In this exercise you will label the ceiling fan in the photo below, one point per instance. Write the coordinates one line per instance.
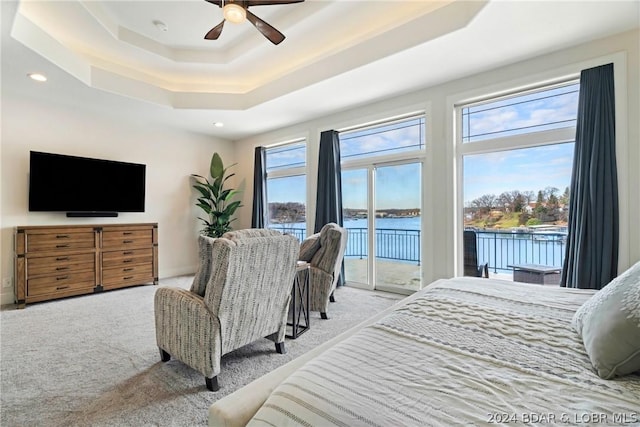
(236, 11)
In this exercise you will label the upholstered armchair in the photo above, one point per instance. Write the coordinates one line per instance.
(240, 293)
(325, 252)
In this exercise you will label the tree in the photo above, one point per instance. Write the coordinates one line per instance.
(553, 207)
(564, 199)
(519, 202)
(506, 200)
(286, 213)
(540, 211)
(484, 203)
(550, 191)
(529, 196)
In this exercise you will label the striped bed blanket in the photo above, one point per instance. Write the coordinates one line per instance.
(467, 351)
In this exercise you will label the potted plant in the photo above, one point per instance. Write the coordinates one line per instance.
(215, 199)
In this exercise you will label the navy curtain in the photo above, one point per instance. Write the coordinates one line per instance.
(591, 257)
(329, 190)
(259, 190)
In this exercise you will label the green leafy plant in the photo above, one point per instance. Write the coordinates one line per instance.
(215, 199)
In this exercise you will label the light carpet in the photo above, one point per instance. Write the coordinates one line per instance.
(93, 360)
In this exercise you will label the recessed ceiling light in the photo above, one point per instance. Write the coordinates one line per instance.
(218, 124)
(37, 77)
(161, 26)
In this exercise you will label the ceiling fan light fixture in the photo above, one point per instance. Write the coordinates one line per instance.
(234, 13)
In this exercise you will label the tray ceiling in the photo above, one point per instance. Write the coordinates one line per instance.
(356, 50)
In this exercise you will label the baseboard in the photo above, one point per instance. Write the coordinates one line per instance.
(174, 272)
(7, 298)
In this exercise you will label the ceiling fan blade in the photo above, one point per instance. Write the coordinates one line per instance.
(267, 2)
(216, 2)
(267, 30)
(214, 33)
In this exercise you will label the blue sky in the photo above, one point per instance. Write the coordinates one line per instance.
(529, 169)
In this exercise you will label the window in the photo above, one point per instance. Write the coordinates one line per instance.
(286, 188)
(399, 136)
(537, 111)
(382, 200)
(517, 159)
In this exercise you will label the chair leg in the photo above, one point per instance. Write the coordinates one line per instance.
(323, 315)
(331, 298)
(164, 356)
(212, 383)
(280, 347)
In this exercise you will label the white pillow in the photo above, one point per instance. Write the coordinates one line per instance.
(609, 324)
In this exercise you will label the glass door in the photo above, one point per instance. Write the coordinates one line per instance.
(381, 210)
(355, 212)
(397, 227)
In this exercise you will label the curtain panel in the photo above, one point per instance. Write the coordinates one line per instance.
(329, 190)
(259, 189)
(591, 257)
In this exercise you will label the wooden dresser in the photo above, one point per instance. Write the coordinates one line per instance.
(60, 261)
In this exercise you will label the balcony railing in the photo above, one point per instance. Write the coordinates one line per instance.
(497, 248)
(396, 244)
(501, 249)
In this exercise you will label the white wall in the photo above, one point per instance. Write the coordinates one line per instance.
(441, 252)
(59, 127)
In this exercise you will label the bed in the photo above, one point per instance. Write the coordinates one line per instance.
(466, 351)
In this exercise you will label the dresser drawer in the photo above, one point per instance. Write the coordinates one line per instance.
(127, 275)
(127, 257)
(126, 239)
(59, 241)
(52, 265)
(61, 283)
(61, 261)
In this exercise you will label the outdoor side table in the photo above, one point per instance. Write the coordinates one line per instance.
(535, 273)
(298, 318)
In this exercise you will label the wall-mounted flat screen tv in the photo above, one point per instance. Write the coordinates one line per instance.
(84, 186)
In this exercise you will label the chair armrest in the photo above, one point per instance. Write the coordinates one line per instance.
(319, 275)
(179, 313)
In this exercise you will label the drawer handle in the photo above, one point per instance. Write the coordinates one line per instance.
(61, 268)
(129, 269)
(127, 241)
(62, 246)
(127, 233)
(62, 236)
(59, 288)
(127, 260)
(127, 253)
(62, 277)
(62, 258)
(128, 278)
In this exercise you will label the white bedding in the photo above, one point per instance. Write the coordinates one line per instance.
(466, 351)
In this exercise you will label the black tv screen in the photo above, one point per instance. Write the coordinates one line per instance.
(60, 183)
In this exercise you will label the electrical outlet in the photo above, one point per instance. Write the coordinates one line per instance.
(7, 282)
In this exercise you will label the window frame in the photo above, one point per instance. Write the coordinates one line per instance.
(286, 172)
(363, 162)
(498, 144)
(511, 142)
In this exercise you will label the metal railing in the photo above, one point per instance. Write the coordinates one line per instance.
(396, 244)
(499, 249)
(299, 233)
